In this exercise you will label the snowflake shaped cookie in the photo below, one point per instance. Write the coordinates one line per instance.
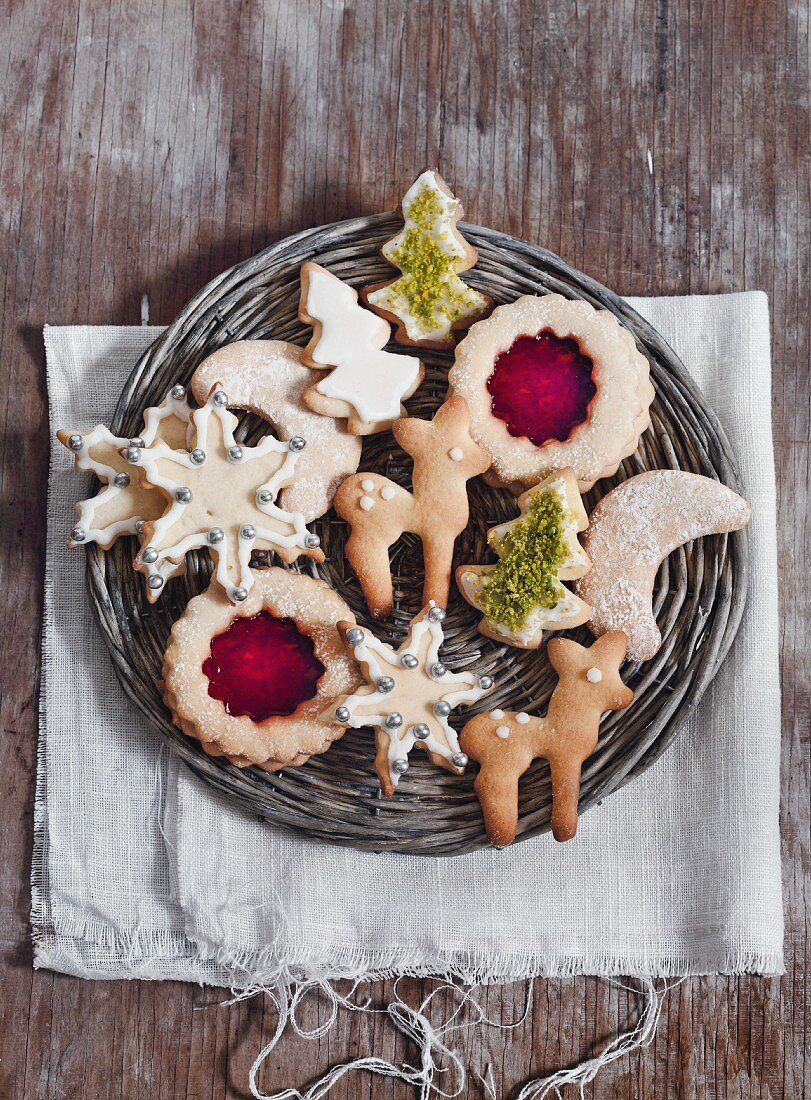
(123, 505)
(408, 696)
(220, 494)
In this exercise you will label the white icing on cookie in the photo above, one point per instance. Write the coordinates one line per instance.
(522, 718)
(366, 503)
(456, 453)
(367, 485)
(594, 676)
(387, 492)
(503, 732)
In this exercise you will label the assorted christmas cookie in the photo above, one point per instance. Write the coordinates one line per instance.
(505, 743)
(522, 595)
(429, 300)
(253, 682)
(632, 530)
(364, 384)
(220, 495)
(379, 511)
(268, 378)
(408, 696)
(553, 383)
(122, 506)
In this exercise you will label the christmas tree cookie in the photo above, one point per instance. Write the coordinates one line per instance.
(522, 595)
(429, 300)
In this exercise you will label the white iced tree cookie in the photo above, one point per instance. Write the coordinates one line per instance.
(429, 300)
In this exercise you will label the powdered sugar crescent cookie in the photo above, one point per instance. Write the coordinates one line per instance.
(522, 595)
(253, 682)
(505, 742)
(429, 300)
(268, 378)
(631, 532)
(553, 383)
(364, 383)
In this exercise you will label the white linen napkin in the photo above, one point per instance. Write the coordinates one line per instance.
(140, 871)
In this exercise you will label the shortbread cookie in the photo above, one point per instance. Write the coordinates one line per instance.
(505, 743)
(522, 596)
(122, 506)
(364, 383)
(268, 378)
(429, 300)
(253, 682)
(220, 495)
(379, 511)
(408, 696)
(631, 532)
(552, 383)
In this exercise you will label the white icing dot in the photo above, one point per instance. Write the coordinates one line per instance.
(503, 732)
(367, 485)
(366, 503)
(522, 718)
(456, 453)
(594, 676)
(387, 492)
(496, 714)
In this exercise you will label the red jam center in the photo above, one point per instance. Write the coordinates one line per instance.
(541, 387)
(262, 666)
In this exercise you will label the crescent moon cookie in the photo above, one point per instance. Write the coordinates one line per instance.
(253, 682)
(219, 494)
(505, 743)
(365, 384)
(268, 378)
(429, 300)
(408, 696)
(522, 595)
(552, 383)
(123, 505)
(631, 532)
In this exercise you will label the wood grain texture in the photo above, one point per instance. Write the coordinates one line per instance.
(661, 145)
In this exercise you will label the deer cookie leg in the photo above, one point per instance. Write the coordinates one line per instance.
(370, 562)
(438, 559)
(497, 792)
(565, 796)
(382, 742)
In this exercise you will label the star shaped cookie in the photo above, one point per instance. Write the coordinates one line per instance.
(220, 494)
(408, 696)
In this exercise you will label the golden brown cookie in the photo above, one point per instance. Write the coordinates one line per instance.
(505, 743)
(253, 682)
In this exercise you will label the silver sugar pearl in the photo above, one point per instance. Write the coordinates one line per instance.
(132, 454)
(183, 494)
(354, 636)
(312, 542)
(399, 766)
(297, 443)
(78, 534)
(436, 615)
(240, 594)
(149, 555)
(178, 392)
(438, 669)
(76, 443)
(485, 682)
(385, 684)
(264, 496)
(394, 720)
(198, 456)
(215, 535)
(442, 709)
(139, 526)
(220, 398)
(459, 760)
(342, 714)
(422, 732)
(121, 480)
(136, 441)
(247, 531)
(154, 582)
(409, 660)
(235, 453)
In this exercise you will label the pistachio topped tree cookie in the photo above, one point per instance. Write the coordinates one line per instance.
(521, 596)
(428, 301)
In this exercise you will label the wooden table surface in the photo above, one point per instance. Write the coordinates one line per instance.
(660, 145)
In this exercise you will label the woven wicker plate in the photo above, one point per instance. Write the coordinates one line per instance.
(699, 595)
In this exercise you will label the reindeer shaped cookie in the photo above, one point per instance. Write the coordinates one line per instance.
(505, 743)
(379, 511)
